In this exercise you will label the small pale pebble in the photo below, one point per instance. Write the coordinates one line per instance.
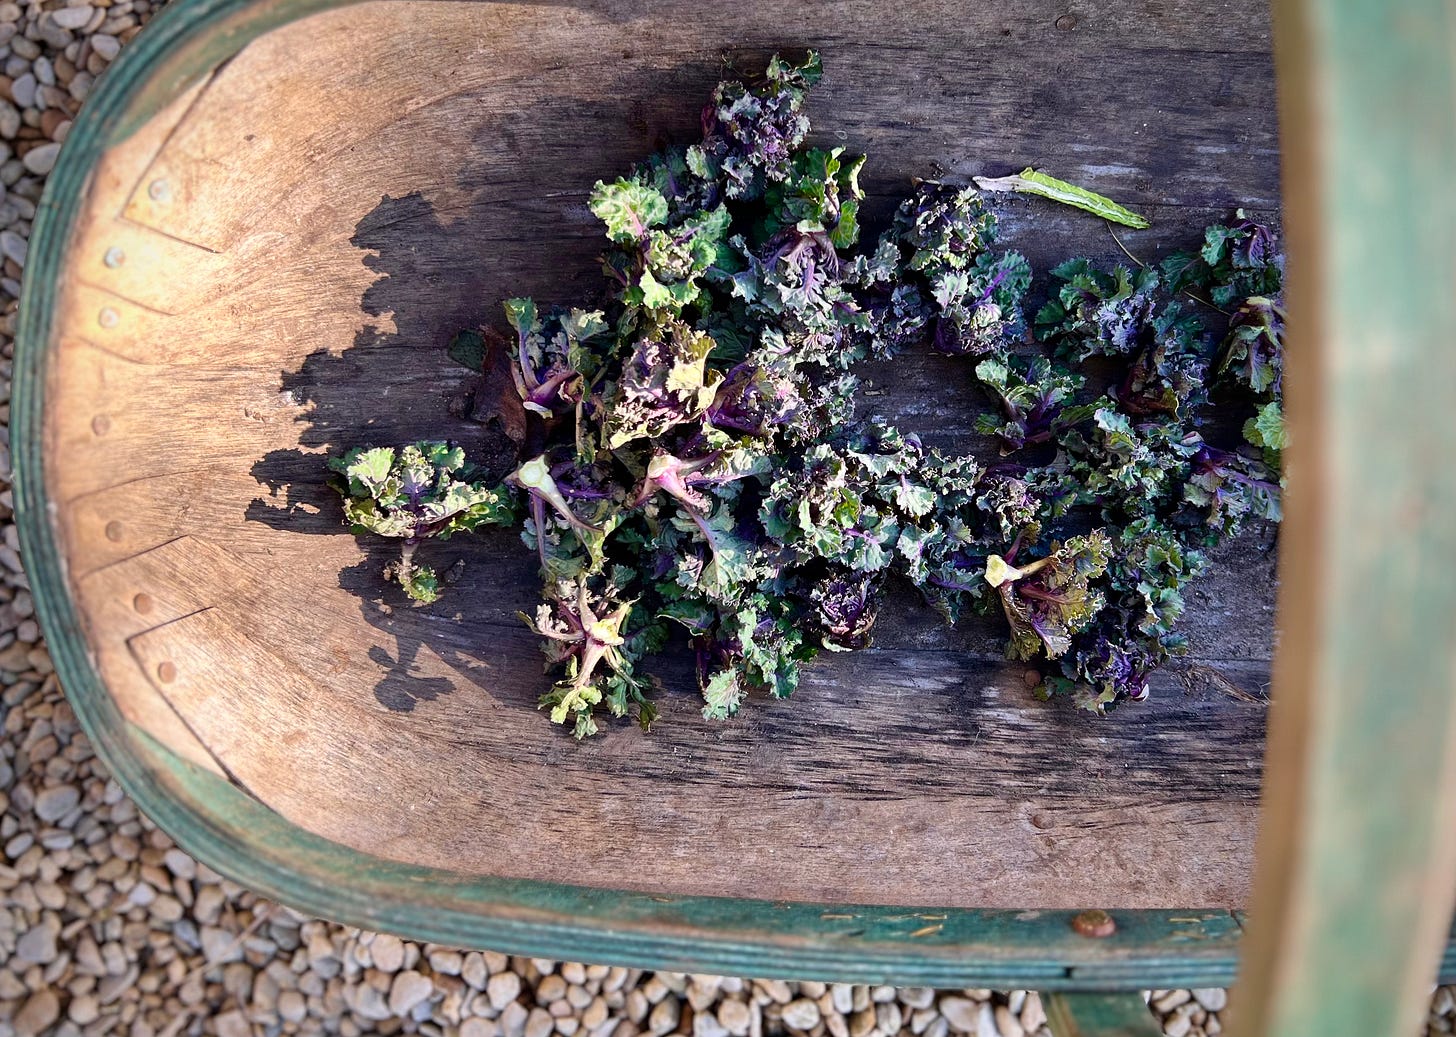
(502, 989)
(734, 1016)
(292, 1006)
(777, 990)
(889, 1017)
(38, 945)
(1007, 1024)
(11, 988)
(38, 1014)
(702, 992)
(1212, 998)
(71, 17)
(13, 246)
(56, 801)
(475, 1026)
(917, 997)
(539, 1023)
(408, 990)
(179, 864)
(219, 945)
(986, 1021)
(106, 46)
(939, 1028)
(637, 1005)
(802, 1014)
(370, 1003)
(1170, 1000)
(960, 1013)
(513, 1020)
(595, 1014)
(10, 12)
(42, 160)
(1177, 1025)
(474, 972)
(23, 90)
(1033, 1016)
(551, 988)
(232, 1024)
(843, 995)
(387, 952)
(447, 963)
(83, 1010)
(57, 35)
(706, 1024)
(664, 1017)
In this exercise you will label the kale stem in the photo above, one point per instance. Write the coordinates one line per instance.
(406, 560)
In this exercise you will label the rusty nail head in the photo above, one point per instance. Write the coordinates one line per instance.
(1096, 923)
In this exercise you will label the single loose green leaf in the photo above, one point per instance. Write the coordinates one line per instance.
(1029, 181)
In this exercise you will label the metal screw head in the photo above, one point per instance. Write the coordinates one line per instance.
(1095, 923)
(108, 318)
(114, 257)
(159, 191)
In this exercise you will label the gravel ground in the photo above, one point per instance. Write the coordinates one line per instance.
(106, 927)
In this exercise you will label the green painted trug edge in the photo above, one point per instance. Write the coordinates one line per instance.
(213, 820)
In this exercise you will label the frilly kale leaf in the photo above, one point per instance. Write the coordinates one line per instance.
(584, 634)
(1033, 401)
(1233, 488)
(941, 227)
(1265, 430)
(1253, 350)
(664, 383)
(1050, 599)
(751, 133)
(1237, 261)
(1094, 313)
(420, 491)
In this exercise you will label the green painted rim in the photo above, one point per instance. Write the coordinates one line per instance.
(240, 838)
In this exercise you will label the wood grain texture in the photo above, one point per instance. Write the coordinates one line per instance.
(326, 225)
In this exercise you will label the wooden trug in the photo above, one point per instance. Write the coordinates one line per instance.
(262, 232)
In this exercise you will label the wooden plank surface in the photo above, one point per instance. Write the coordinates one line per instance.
(335, 258)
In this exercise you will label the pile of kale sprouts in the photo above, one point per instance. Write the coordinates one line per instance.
(692, 457)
